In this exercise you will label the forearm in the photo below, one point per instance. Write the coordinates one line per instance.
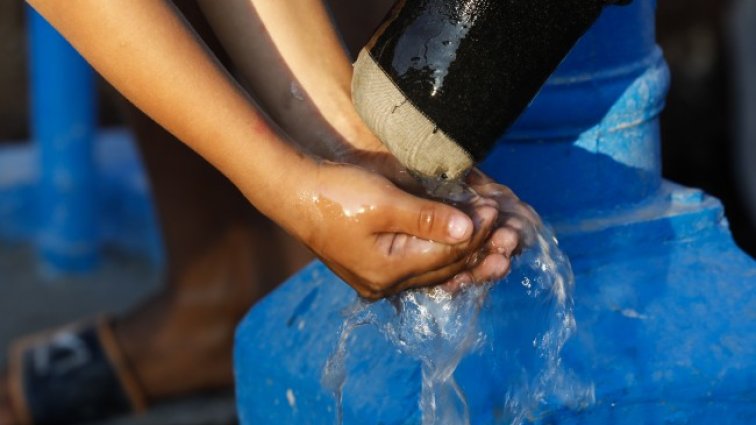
(149, 54)
(277, 44)
(370, 232)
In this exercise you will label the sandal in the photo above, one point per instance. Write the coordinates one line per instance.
(71, 375)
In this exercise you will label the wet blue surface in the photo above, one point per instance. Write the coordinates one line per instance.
(665, 333)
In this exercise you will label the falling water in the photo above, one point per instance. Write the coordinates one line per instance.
(439, 329)
(531, 328)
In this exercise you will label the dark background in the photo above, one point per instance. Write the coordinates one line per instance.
(697, 125)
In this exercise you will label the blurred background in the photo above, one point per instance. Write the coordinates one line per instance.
(708, 142)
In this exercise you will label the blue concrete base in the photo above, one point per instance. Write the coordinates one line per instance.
(125, 218)
(665, 304)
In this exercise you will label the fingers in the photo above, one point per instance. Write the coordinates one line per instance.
(504, 241)
(429, 220)
(431, 278)
(444, 261)
(459, 281)
(506, 199)
(420, 254)
(493, 260)
(494, 267)
(524, 229)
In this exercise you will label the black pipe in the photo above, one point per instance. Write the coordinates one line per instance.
(469, 67)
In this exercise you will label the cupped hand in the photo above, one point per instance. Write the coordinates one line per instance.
(515, 229)
(381, 239)
(516, 222)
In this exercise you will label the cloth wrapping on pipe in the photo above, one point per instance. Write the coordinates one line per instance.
(442, 80)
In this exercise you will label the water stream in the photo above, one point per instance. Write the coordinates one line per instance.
(439, 329)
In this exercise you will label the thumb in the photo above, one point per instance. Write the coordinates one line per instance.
(432, 221)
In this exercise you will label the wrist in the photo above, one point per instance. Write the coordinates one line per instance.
(356, 135)
(293, 195)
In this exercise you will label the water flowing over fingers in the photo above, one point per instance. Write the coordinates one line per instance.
(440, 329)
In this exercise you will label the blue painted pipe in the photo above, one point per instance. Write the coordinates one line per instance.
(594, 126)
(63, 123)
(664, 299)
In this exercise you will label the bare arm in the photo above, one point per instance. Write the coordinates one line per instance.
(148, 52)
(279, 46)
(375, 236)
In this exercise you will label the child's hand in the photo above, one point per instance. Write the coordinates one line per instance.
(516, 221)
(516, 226)
(382, 240)
(515, 215)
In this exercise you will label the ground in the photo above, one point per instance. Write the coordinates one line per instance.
(30, 301)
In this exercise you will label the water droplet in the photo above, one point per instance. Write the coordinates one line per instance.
(526, 282)
(296, 91)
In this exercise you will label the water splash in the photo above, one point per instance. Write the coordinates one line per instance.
(431, 325)
(524, 338)
(334, 372)
(528, 332)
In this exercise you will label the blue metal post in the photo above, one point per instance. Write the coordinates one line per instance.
(63, 122)
(664, 299)
(594, 127)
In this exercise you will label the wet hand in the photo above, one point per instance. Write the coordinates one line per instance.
(515, 224)
(515, 229)
(381, 239)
